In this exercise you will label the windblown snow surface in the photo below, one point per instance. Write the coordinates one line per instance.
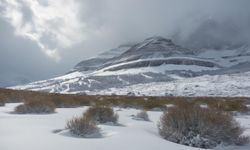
(36, 132)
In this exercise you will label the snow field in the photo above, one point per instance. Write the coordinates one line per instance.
(29, 132)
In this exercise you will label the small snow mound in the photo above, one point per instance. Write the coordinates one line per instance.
(112, 124)
(109, 134)
(57, 131)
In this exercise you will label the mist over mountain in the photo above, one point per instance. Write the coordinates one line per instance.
(215, 35)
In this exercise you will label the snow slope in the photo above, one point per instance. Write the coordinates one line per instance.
(153, 62)
(207, 85)
(94, 63)
(29, 132)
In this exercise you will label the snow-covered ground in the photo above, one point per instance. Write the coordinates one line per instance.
(29, 132)
(207, 85)
(237, 84)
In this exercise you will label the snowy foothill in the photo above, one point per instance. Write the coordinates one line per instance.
(232, 85)
(47, 132)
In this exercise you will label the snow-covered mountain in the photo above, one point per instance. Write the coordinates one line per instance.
(94, 63)
(206, 85)
(156, 66)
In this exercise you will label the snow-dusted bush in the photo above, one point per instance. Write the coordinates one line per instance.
(101, 114)
(83, 127)
(198, 127)
(37, 107)
(142, 115)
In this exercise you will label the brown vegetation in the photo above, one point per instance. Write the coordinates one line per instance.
(2, 99)
(143, 102)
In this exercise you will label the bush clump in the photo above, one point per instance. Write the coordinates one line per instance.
(101, 114)
(142, 115)
(36, 107)
(200, 127)
(83, 127)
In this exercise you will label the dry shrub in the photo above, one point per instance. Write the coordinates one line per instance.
(36, 107)
(200, 127)
(2, 99)
(101, 114)
(2, 103)
(142, 115)
(83, 127)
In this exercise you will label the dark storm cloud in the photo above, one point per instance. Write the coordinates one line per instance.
(21, 59)
(207, 22)
(35, 35)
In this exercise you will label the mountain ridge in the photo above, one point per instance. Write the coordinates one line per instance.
(153, 60)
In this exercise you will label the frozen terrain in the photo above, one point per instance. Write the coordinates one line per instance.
(29, 132)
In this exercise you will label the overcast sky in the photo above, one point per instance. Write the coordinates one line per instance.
(40, 39)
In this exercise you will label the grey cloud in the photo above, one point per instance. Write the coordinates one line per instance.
(43, 2)
(101, 25)
(134, 20)
(27, 12)
(21, 59)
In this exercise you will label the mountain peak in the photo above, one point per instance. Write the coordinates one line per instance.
(158, 39)
(155, 46)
